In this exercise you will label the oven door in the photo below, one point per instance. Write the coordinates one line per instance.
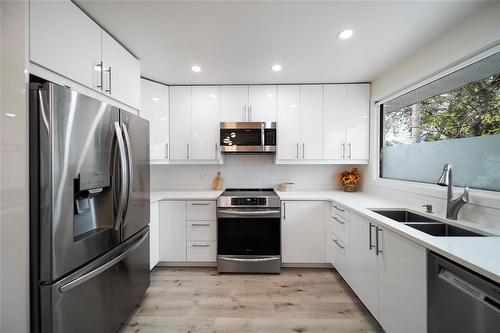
(248, 232)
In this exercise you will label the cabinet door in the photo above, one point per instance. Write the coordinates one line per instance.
(205, 123)
(363, 269)
(288, 122)
(357, 121)
(154, 236)
(172, 230)
(180, 122)
(402, 284)
(303, 232)
(262, 103)
(311, 122)
(154, 107)
(66, 41)
(334, 121)
(122, 72)
(234, 103)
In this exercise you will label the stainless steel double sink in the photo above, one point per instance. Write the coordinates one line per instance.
(426, 224)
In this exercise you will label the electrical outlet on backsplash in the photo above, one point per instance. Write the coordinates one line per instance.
(247, 171)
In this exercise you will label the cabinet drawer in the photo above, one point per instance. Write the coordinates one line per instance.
(201, 211)
(340, 227)
(201, 230)
(338, 210)
(202, 251)
(340, 255)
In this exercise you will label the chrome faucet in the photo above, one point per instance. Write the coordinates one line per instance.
(452, 205)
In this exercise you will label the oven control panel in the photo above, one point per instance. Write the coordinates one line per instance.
(248, 201)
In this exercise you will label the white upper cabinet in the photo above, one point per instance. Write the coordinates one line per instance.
(65, 40)
(357, 121)
(205, 123)
(262, 102)
(180, 123)
(346, 122)
(122, 72)
(300, 118)
(154, 107)
(334, 121)
(234, 103)
(311, 121)
(288, 122)
(303, 232)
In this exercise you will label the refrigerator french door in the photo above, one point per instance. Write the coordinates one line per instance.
(89, 211)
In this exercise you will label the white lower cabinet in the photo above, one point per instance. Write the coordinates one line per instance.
(188, 231)
(388, 273)
(172, 230)
(303, 232)
(402, 284)
(363, 267)
(154, 234)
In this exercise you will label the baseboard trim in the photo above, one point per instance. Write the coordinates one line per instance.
(214, 264)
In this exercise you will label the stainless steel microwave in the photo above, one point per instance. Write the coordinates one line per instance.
(248, 137)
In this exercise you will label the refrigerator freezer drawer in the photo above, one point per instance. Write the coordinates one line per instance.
(101, 296)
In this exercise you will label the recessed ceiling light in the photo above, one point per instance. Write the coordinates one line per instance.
(10, 115)
(276, 68)
(212, 96)
(196, 68)
(156, 99)
(345, 34)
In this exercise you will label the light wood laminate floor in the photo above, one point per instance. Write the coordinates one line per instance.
(298, 300)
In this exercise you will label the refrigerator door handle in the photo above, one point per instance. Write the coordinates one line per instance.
(123, 168)
(84, 278)
(130, 167)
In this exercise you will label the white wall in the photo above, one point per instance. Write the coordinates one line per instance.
(246, 171)
(476, 33)
(14, 230)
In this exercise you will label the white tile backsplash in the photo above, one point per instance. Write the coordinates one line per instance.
(246, 171)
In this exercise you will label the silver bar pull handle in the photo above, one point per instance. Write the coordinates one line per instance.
(303, 150)
(343, 150)
(167, 152)
(250, 113)
(350, 149)
(123, 171)
(338, 208)
(249, 259)
(187, 151)
(200, 204)
(297, 154)
(200, 224)
(370, 236)
(244, 113)
(216, 151)
(377, 244)
(338, 220)
(284, 211)
(130, 167)
(109, 82)
(101, 75)
(200, 245)
(338, 244)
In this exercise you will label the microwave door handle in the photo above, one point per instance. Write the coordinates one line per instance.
(123, 171)
(130, 165)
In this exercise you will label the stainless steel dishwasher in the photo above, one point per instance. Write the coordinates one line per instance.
(460, 300)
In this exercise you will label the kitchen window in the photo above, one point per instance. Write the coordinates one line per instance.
(454, 119)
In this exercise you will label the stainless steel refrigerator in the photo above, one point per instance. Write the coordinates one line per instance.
(89, 211)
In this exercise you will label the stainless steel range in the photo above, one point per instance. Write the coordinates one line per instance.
(248, 231)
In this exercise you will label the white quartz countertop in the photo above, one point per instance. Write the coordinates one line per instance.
(184, 195)
(481, 254)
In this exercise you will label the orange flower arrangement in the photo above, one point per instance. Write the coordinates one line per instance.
(351, 177)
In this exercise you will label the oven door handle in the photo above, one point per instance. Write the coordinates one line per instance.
(249, 259)
(259, 213)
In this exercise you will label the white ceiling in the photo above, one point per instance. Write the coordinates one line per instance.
(238, 42)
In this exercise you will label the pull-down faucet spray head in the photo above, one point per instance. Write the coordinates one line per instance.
(444, 179)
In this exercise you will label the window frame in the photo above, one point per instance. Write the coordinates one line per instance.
(484, 198)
